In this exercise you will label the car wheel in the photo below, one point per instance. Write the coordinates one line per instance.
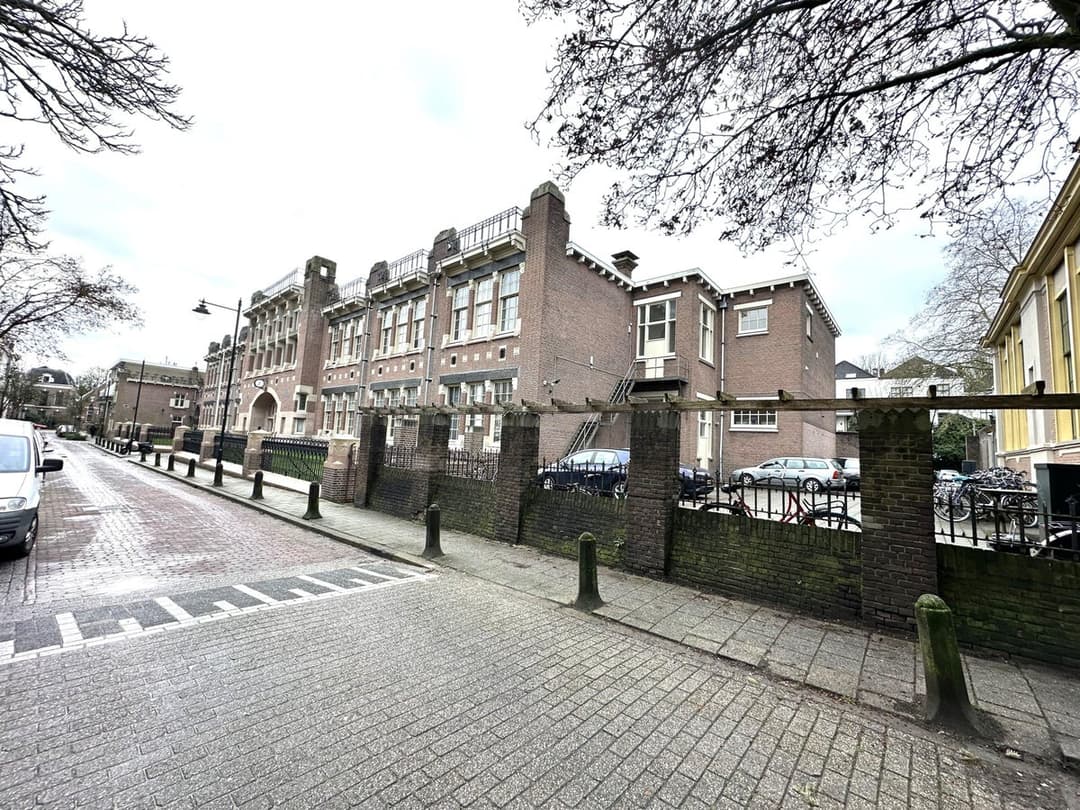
(30, 539)
(811, 485)
(746, 479)
(619, 490)
(548, 482)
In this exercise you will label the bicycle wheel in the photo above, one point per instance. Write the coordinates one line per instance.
(946, 507)
(726, 508)
(1022, 506)
(835, 520)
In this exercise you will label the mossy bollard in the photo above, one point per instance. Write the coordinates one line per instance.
(219, 474)
(312, 512)
(947, 698)
(256, 487)
(433, 531)
(170, 465)
(588, 597)
(157, 459)
(191, 468)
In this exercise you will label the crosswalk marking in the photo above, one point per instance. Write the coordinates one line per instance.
(69, 629)
(130, 625)
(173, 609)
(254, 594)
(321, 583)
(370, 573)
(228, 607)
(302, 593)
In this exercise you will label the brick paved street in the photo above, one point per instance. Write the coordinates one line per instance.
(427, 690)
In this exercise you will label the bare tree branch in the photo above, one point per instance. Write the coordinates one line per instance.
(780, 118)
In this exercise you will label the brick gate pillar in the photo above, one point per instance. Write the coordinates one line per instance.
(518, 452)
(432, 451)
(653, 490)
(206, 449)
(339, 480)
(899, 553)
(178, 438)
(368, 456)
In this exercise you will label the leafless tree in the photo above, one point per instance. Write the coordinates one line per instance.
(780, 118)
(83, 85)
(44, 299)
(958, 310)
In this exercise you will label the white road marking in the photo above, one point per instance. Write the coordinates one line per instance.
(371, 573)
(7, 649)
(130, 625)
(228, 607)
(327, 585)
(173, 609)
(302, 593)
(69, 629)
(254, 594)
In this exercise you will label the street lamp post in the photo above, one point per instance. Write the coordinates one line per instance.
(201, 309)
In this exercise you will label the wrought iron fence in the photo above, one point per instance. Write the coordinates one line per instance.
(159, 435)
(296, 458)
(803, 502)
(591, 478)
(193, 441)
(483, 465)
(233, 448)
(402, 457)
(490, 229)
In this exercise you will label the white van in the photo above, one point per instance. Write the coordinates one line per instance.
(22, 476)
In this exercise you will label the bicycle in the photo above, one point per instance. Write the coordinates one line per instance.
(795, 510)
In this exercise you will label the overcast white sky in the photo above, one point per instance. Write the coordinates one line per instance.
(357, 132)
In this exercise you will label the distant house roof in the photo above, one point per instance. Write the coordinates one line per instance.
(919, 368)
(57, 376)
(850, 371)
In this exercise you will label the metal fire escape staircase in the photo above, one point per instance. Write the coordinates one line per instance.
(585, 433)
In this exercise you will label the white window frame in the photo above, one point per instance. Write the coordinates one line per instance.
(752, 310)
(419, 315)
(754, 420)
(707, 336)
(459, 313)
(668, 322)
(508, 300)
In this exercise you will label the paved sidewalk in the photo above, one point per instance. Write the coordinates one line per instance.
(1037, 707)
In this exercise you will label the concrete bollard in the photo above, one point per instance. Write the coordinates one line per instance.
(219, 475)
(588, 597)
(191, 468)
(157, 459)
(432, 535)
(171, 464)
(312, 512)
(256, 487)
(947, 699)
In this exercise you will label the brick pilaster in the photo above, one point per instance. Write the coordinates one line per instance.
(432, 450)
(368, 456)
(339, 474)
(178, 438)
(206, 449)
(253, 452)
(899, 554)
(653, 490)
(518, 453)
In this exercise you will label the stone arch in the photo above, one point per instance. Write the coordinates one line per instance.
(263, 412)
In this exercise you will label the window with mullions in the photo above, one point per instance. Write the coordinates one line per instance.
(453, 397)
(754, 320)
(419, 313)
(753, 420)
(708, 321)
(482, 305)
(504, 392)
(656, 328)
(509, 284)
(387, 331)
(1066, 352)
(402, 342)
(459, 317)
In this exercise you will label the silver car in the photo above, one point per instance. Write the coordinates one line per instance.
(812, 474)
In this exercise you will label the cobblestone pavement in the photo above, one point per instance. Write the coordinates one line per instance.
(1036, 707)
(452, 692)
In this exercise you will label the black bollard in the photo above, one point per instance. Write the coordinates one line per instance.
(157, 459)
(142, 455)
(256, 487)
(171, 464)
(191, 468)
(219, 473)
(432, 544)
(312, 512)
(588, 597)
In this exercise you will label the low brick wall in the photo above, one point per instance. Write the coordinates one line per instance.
(466, 505)
(1012, 603)
(813, 570)
(397, 492)
(552, 521)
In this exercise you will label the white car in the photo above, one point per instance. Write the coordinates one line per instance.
(22, 477)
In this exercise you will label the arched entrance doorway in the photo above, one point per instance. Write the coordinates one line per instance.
(264, 412)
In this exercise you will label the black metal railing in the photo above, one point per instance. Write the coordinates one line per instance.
(805, 501)
(193, 441)
(401, 457)
(232, 450)
(159, 435)
(296, 458)
(489, 229)
(483, 465)
(594, 479)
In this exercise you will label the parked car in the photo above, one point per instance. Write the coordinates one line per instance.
(597, 470)
(849, 467)
(812, 474)
(22, 479)
(947, 475)
(695, 482)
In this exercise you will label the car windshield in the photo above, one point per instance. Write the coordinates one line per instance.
(14, 454)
